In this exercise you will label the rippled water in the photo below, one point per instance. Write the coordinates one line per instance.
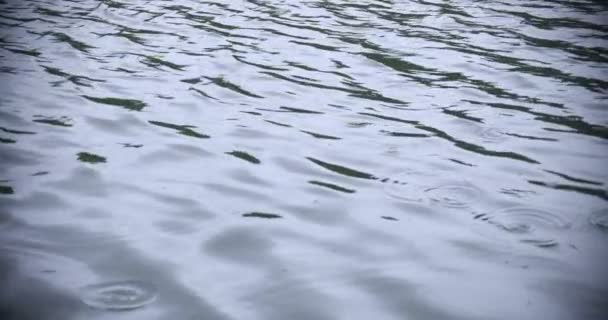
(303, 159)
(120, 295)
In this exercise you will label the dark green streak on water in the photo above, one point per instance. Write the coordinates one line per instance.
(233, 87)
(600, 193)
(155, 62)
(53, 122)
(130, 104)
(56, 72)
(396, 64)
(530, 137)
(342, 170)
(389, 218)
(331, 186)
(476, 148)
(262, 215)
(278, 123)
(31, 52)
(75, 79)
(192, 80)
(299, 110)
(320, 136)
(316, 45)
(577, 124)
(90, 158)
(388, 118)
(261, 66)
(16, 131)
(355, 93)
(202, 93)
(573, 179)
(185, 130)
(462, 114)
(78, 45)
(459, 143)
(244, 156)
(6, 190)
(405, 134)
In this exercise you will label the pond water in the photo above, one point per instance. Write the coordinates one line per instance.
(317, 159)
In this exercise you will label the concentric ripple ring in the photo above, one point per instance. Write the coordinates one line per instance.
(119, 295)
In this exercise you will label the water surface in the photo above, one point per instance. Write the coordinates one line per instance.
(303, 159)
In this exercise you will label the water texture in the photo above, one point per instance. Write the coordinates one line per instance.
(121, 295)
(303, 159)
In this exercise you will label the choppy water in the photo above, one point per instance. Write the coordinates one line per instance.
(303, 159)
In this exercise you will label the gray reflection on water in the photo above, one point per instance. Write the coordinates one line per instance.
(260, 159)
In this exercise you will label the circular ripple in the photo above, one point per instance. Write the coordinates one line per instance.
(408, 186)
(600, 219)
(525, 220)
(119, 295)
(414, 186)
(406, 191)
(492, 135)
(457, 196)
(529, 225)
